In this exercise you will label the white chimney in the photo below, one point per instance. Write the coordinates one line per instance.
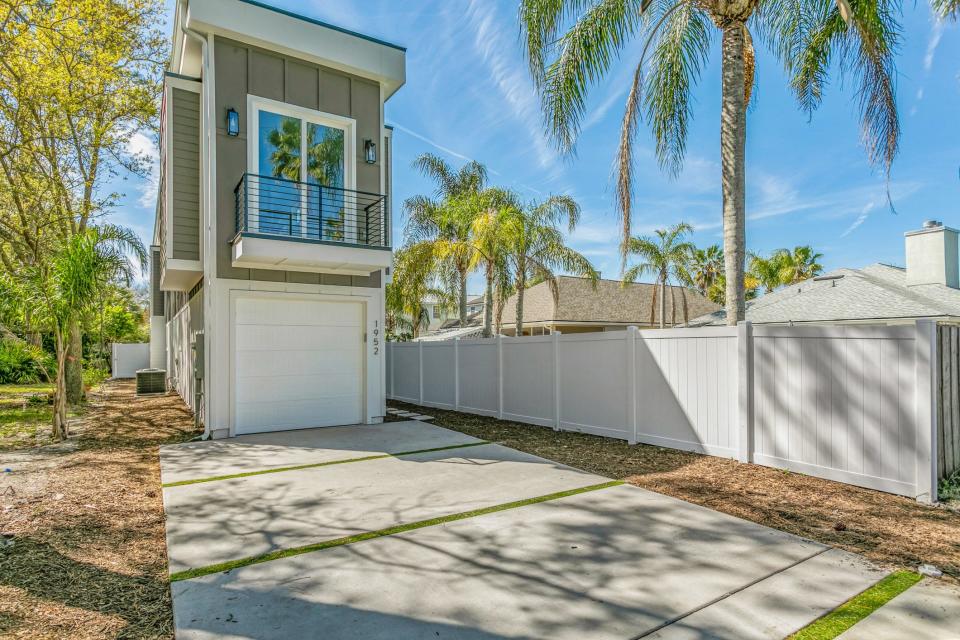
(932, 256)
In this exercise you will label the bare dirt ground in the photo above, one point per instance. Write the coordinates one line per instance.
(889, 529)
(82, 550)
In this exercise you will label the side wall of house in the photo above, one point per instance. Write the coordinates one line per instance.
(185, 178)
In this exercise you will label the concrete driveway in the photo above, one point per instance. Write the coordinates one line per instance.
(407, 530)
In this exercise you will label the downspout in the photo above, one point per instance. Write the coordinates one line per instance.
(198, 382)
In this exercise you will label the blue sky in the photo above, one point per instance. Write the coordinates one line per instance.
(468, 96)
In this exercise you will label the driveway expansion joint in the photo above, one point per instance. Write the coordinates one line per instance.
(315, 465)
(224, 567)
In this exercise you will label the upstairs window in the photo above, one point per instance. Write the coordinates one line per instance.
(305, 163)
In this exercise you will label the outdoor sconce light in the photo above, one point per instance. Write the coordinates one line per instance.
(370, 151)
(233, 122)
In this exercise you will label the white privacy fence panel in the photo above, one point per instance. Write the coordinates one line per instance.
(439, 388)
(856, 404)
(595, 384)
(128, 358)
(478, 376)
(528, 380)
(838, 402)
(687, 389)
(405, 379)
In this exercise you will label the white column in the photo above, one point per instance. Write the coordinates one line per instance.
(927, 381)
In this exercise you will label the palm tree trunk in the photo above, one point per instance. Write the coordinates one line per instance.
(653, 306)
(521, 285)
(74, 364)
(488, 306)
(60, 390)
(733, 135)
(663, 301)
(463, 297)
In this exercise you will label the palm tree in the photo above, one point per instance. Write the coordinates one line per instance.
(801, 264)
(436, 219)
(946, 8)
(664, 258)
(769, 271)
(412, 282)
(535, 247)
(67, 287)
(706, 265)
(572, 44)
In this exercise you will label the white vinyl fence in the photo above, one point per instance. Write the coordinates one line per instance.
(854, 403)
(128, 357)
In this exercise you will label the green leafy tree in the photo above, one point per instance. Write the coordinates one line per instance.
(663, 257)
(572, 44)
(412, 281)
(768, 271)
(443, 218)
(536, 250)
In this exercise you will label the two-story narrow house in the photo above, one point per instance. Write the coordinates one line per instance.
(272, 236)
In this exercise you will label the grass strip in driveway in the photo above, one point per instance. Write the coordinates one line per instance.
(379, 533)
(313, 465)
(858, 607)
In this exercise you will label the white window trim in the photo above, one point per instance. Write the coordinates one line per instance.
(255, 104)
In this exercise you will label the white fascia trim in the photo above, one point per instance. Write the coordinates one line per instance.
(301, 39)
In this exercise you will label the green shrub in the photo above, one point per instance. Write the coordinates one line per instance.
(950, 487)
(21, 363)
(93, 376)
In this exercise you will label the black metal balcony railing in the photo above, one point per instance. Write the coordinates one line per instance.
(313, 212)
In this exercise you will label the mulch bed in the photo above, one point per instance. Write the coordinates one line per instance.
(83, 551)
(889, 529)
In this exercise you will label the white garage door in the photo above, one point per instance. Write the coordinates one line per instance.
(298, 364)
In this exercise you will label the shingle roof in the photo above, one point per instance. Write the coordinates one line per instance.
(878, 291)
(609, 302)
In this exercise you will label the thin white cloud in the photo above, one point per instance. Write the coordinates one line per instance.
(936, 32)
(432, 143)
(144, 148)
(864, 214)
(516, 89)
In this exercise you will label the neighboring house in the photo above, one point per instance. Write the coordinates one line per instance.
(580, 307)
(929, 287)
(267, 307)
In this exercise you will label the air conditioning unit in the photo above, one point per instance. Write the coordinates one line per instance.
(151, 381)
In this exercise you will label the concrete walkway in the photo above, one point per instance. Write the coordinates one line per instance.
(617, 562)
(930, 610)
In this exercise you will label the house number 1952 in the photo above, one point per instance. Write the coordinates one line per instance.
(376, 337)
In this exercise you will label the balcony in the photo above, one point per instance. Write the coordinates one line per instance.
(299, 226)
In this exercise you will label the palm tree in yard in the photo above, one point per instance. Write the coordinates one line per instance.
(801, 264)
(571, 44)
(665, 259)
(535, 247)
(706, 266)
(62, 290)
(769, 271)
(441, 218)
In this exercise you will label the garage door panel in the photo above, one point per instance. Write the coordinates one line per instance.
(298, 363)
(281, 312)
(276, 416)
(272, 337)
(312, 362)
(298, 387)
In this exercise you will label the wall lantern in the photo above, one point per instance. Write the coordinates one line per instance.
(370, 151)
(233, 122)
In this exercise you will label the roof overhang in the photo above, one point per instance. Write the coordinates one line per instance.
(271, 28)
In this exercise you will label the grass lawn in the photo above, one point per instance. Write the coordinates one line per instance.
(24, 423)
(889, 529)
(83, 552)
